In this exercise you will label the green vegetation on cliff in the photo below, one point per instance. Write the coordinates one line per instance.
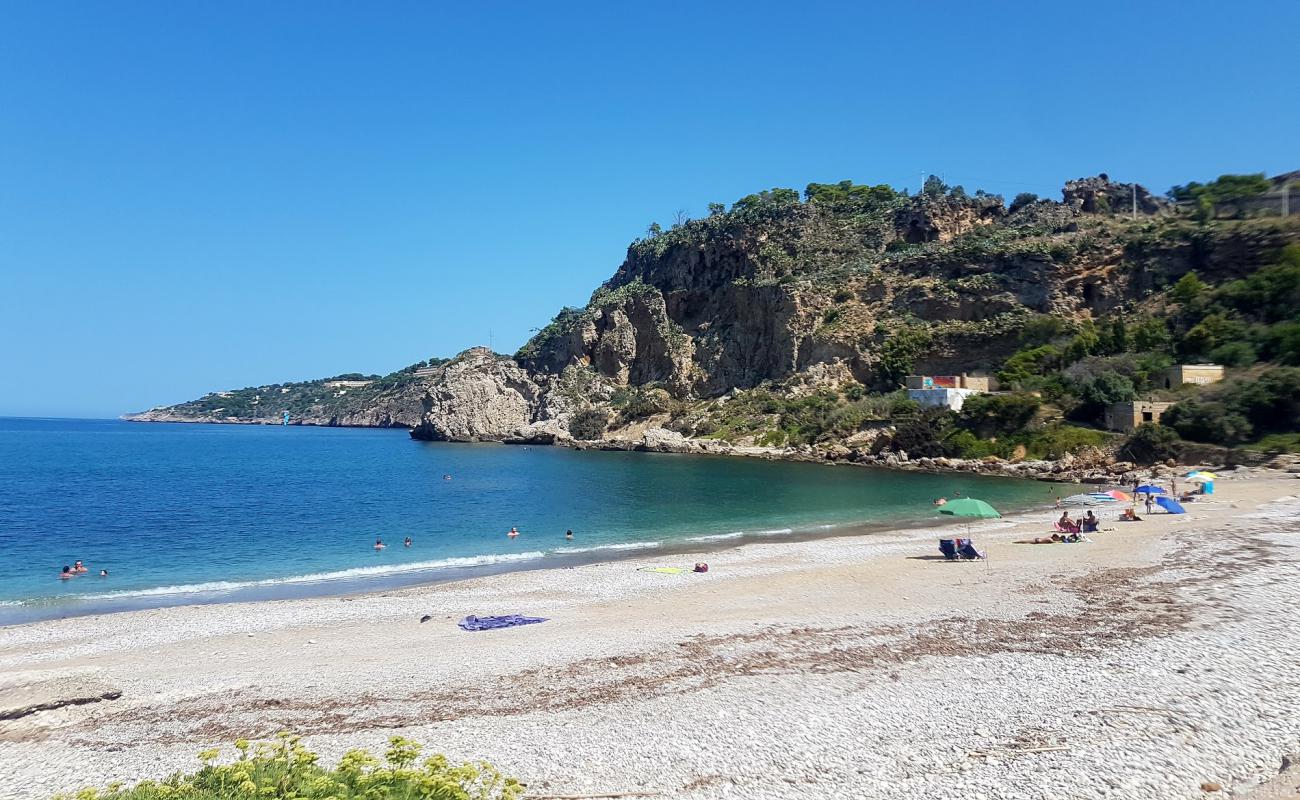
(1078, 304)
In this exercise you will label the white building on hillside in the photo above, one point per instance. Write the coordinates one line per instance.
(937, 391)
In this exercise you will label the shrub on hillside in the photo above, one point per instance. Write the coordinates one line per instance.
(1271, 293)
(899, 352)
(924, 435)
(1234, 354)
(1021, 200)
(1238, 411)
(286, 769)
(1208, 421)
(989, 415)
(1025, 365)
(1223, 189)
(1150, 443)
(1043, 329)
(589, 424)
(636, 402)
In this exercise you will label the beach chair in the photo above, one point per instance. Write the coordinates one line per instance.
(949, 549)
(966, 549)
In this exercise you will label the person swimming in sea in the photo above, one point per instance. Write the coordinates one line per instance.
(568, 535)
(66, 574)
(513, 532)
(79, 567)
(446, 477)
(103, 573)
(379, 544)
(407, 542)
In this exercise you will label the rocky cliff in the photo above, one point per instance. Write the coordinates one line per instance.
(845, 289)
(483, 396)
(777, 286)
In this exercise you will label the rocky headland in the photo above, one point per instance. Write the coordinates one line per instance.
(782, 328)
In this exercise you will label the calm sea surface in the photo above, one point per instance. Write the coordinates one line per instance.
(204, 513)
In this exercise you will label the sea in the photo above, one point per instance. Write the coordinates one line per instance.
(199, 513)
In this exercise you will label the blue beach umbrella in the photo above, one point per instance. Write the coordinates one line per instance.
(1171, 505)
(1149, 489)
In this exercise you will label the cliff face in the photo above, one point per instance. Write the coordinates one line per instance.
(481, 396)
(849, 286)
(766, 292)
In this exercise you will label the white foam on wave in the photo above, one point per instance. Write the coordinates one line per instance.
(618, 546)
(714, 537)
(318, 577)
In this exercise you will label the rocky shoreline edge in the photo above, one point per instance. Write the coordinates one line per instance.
(1093, 468)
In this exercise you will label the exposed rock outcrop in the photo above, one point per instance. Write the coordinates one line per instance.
(1100, 195)
(943, 218)
(480, 396)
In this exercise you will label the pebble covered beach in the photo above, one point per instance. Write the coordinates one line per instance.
(1156, 661)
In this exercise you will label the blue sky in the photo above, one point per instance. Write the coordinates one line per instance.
(199, 196)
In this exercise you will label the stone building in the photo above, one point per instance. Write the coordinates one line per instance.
(1124, 417)
(1199, 374)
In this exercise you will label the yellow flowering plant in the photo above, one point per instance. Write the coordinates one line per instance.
(285, 769)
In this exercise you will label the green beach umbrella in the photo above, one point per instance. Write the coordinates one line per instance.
(969, 507)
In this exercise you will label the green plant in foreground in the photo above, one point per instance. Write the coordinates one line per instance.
(286, 770)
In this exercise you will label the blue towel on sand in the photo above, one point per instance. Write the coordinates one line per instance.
(473, 623)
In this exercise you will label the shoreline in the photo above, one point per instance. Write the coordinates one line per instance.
(792, 669)
(1068, 469)
(305, 587)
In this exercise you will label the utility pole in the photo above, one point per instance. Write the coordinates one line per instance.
(490, 347)
(1135, 201)
(1286, 199)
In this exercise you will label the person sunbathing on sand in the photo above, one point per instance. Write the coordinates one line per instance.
(1053, 539)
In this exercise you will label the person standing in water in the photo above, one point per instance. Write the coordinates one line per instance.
(568, 535)
(513, 532)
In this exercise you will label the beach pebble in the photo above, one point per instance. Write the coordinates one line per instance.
(818, 698)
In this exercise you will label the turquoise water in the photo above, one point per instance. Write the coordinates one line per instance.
(204, 513)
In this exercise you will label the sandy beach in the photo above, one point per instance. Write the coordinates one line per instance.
(1152, 661)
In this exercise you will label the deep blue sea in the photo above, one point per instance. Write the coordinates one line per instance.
(205, 513)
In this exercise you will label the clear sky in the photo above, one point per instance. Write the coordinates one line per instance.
(200, 196)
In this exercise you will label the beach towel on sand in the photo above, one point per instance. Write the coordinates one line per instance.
(664, 570)
(473, 623)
